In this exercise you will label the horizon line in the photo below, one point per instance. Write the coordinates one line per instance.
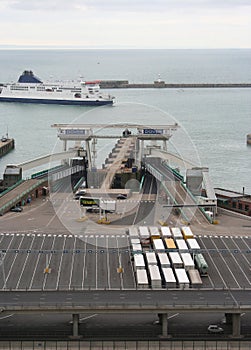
(51, 47)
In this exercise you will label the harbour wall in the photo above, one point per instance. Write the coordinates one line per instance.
(124, 84)
(6, 146)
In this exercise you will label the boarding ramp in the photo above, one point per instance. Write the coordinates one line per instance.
(198, 181)
(210, 193)
(171, 158)
(48, 159)
(160, 170)
(19, 193)
(120, 154)
(22, 190)
(178, 196)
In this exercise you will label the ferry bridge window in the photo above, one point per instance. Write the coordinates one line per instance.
(234, 204)
(246, 207)
(240, 206)
(18, 88)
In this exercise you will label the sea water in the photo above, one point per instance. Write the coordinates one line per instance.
(213, 122)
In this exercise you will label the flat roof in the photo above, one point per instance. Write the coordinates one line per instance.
(116, 126)
(221, 193)
(227, 193)
(12, 171)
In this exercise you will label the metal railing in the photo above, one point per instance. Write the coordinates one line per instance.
(126, 345)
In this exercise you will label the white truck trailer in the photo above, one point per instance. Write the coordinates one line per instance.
(182, 278)
(165, 232)
(139, 262)
(142, 279)
(176, 232)
(193, 244)
(169, 277)
(155, 278)
(158, 245)
(181, 245)
(133, 232)
(188, 262)
(163, 260)
(151, 258)
(144, 232)
(175, 260)
(195, 279)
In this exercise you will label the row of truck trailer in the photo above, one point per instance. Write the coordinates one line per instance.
(166, 257)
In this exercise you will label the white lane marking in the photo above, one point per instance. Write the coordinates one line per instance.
(85, 318)
(72, 264)
(96, 262)
(1, 318)
(222, 257)
(108, 265)
(172, 316)
(60, 264)
(237, 263)
(84, 275)
(12, 265)
(215, 266)
(24, 265)
(35, 267)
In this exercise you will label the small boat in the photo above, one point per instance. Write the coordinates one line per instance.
(249, 139)
(30, 89)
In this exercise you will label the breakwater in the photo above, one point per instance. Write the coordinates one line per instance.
(124, 84)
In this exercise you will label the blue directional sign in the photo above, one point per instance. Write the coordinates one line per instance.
(153, 131)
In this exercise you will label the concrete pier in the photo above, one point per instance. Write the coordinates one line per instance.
(235, 321)
(236, 324)
(75, 327)
(164, 325)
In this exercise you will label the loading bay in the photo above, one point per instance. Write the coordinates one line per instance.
(92, 261)
(43, 276)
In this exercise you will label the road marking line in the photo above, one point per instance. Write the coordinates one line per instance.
(172, 316)
(1, 318)
(87, 317)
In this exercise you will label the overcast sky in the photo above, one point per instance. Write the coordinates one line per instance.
(126, 23)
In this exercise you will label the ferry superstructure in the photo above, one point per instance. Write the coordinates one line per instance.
(30, 89)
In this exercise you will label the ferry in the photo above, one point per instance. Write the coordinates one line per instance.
(30, 89)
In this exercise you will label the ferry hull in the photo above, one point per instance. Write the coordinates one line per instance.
(57, 102)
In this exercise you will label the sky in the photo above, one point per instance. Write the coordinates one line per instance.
(141, 24)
